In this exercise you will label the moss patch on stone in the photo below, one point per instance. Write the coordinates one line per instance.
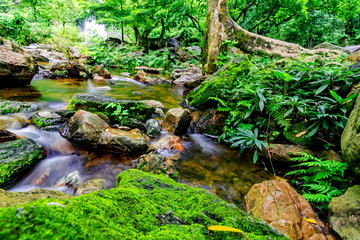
(7, 106)
(97, 103)
(17, 156)
(142, 206)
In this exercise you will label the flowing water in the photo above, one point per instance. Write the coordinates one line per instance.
(205, 163)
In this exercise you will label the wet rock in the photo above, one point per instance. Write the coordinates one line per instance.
(92, 132)
(7, 106)
(190, 77)
(345, 214)
(16, 157)
(44, 53)
(99, 103)
(279, 205)
(11, 122)
(209, 121)
(17, 67)
(71, 69)
(284, 152)
(159, 107)
(65, 113)
(12, 199)
(153, 128)
(155, 163)
(140, 76)
(90, 186)
(149, 69)
(169, 142)
(350, 139)
(133, 123)
(100, 71)
(177, 121)
(45, 119)
(6, 136)
(72, 180)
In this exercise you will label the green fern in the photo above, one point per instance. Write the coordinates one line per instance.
(314, 176)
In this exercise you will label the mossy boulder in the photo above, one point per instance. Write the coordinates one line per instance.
(142, 206)
(296, 134)
(209, 121)
(12, 199)
(98, 103)
(45, 119)
(17, 156)
(7, 106)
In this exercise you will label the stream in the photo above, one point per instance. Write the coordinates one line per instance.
(205, 163)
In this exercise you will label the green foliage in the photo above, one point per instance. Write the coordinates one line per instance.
(118, 111)
(319, 180)
(266, 92)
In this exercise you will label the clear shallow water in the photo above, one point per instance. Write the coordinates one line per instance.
(205, 163)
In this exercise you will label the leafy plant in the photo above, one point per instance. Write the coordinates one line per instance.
(319, 180)
(118, 111)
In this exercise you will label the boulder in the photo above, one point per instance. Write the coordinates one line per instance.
(12, 199)
(169, 142)
(133, 123)
(279, 205)
(11, 122)
(7, 106)
(90, 186)
(6, 136)
(354, 57)
(142, 206)
(17, 67)
(209, 121)
(16, 157)
(72, 69)
(350, 139)
(177, 121)
(155, 163)
(92, 132)
(100, 71)
(45, 119)
(344, 214)
(190, 77)
(153, 128)
(99, 103)
(159, 107)
(284, 152)
(142, 77)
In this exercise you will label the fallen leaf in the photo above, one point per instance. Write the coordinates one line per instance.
(226, 229)
(301, 134)
(310, 220)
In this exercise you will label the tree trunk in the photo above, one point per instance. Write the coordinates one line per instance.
(221, 27)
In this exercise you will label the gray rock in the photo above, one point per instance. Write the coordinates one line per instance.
(45, 119)
(17, 67)
(176, 121)
(153, 128)
(7, 106)
(11, 122)
(90, 131)
(345, 214)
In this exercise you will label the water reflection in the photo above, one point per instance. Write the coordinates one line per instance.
(22, 94)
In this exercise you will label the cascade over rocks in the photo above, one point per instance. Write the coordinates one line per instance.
(17, 67)
(345, 214)
(279, 205)
(92, 132)
(209, 121)
(176, 121)
(16, 157)
(169, 142)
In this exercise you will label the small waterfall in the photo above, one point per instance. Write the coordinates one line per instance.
(205, 145)
(90, 28)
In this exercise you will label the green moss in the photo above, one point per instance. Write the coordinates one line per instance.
(17, 156)
(8, 106)
(295, 134)
(143, 206)
(98, 103)
(40, 121)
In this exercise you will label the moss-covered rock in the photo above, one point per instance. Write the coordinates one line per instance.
(17, 156)
(297, 134)
(7, 106)
(12, 199)
(45, 119)
(98, 103)
(143, 206)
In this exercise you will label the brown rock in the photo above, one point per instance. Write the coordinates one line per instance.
(169, 142)
(155, 163)
(278, 204)
(90, 186)
(140, 76)
(209, 121)
(177, 121)
(354, 57)
(6, 136)
(149, 69)
(284, 152)
(100, 71)
(17, 67)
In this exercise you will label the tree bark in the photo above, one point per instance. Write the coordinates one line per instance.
(221, 27)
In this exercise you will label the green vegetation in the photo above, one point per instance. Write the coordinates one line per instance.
(142, 206)
(319, 180)
(262, 95)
